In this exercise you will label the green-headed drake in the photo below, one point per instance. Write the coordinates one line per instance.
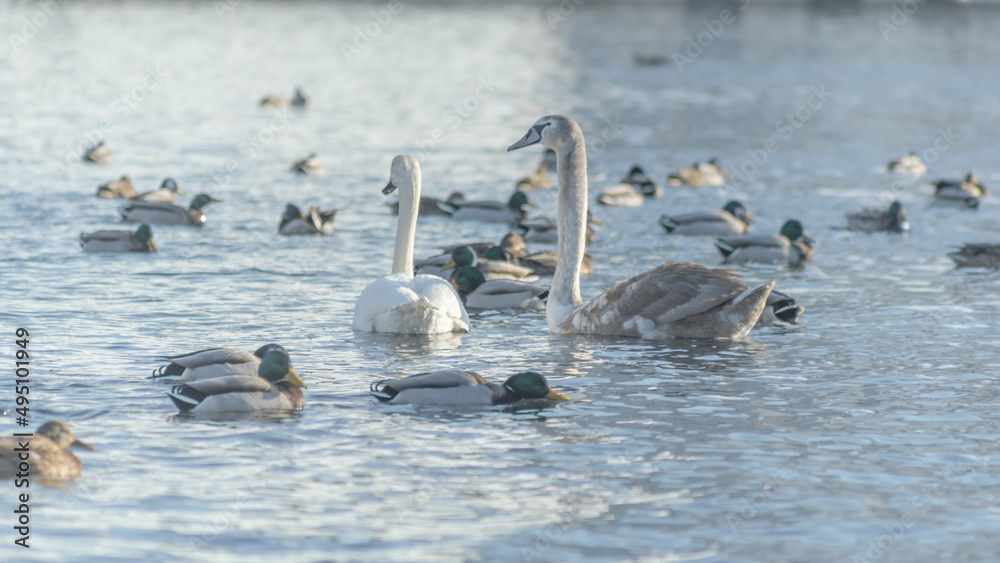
(120, 188)
(961, 193)
(49, 459)
(139, 240)
(453, 387)
(872, 220)
(511, 212)
(314, 222)
(99, 154)
(732, 219)
(494, 264)
(791, 246)
(166, 193)
(479, 293)
(632, 191)
(167, 213)
(977, 255)
(275, 387)
(214, 362)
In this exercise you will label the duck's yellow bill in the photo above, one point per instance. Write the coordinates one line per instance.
(294, 378)
(556, 396)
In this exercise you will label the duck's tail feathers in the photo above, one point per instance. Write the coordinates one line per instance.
(382, 392)
(725, 248)
(668, 224)
(186, 397)
(787, 310)
(169, 370)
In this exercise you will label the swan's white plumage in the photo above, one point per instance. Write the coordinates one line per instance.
(399, 302)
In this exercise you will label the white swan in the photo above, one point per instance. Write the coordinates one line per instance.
(401, 303)
(670, 301)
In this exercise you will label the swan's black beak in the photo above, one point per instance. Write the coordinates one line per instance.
(389, 188)
(530, 138)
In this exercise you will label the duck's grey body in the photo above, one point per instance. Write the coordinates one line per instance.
(119, 241)
(238, 393)
(873, 219)
(977, 255)
(167, 213)
(487, 211)
(733, 219)
(764, 249)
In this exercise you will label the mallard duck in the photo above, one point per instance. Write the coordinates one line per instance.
(121, 188)
(977, 255)
(315, 222)
(479, 293)
(139, 240)
(309, 165)
(781, 309)
(273, 101)
(300, 100)
(48, 459)
(670, 301)
(908, 164)
(964, 193)
(166, 193)
(431, 205)
(537, 180)
(494, 264)
(699, 174)
(511, 212)
(632, 191)
(873, 219)
(275, 387)
(167, 213)
(99, 154)
(400, 302)
(733, 219)
(545, 229)
(792, 246)
(453, 387)
(214, 362)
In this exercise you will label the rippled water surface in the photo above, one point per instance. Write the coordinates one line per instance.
(868, 432)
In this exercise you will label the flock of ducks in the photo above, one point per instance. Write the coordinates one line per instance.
(674, 300)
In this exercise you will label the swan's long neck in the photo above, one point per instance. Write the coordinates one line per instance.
(406, 227)
(571, 167)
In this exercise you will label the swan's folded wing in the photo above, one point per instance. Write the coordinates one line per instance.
(437, 380)
(664, 294)
(441, 294)
(231, 384)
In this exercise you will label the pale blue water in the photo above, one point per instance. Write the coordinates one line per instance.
(873, 423)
